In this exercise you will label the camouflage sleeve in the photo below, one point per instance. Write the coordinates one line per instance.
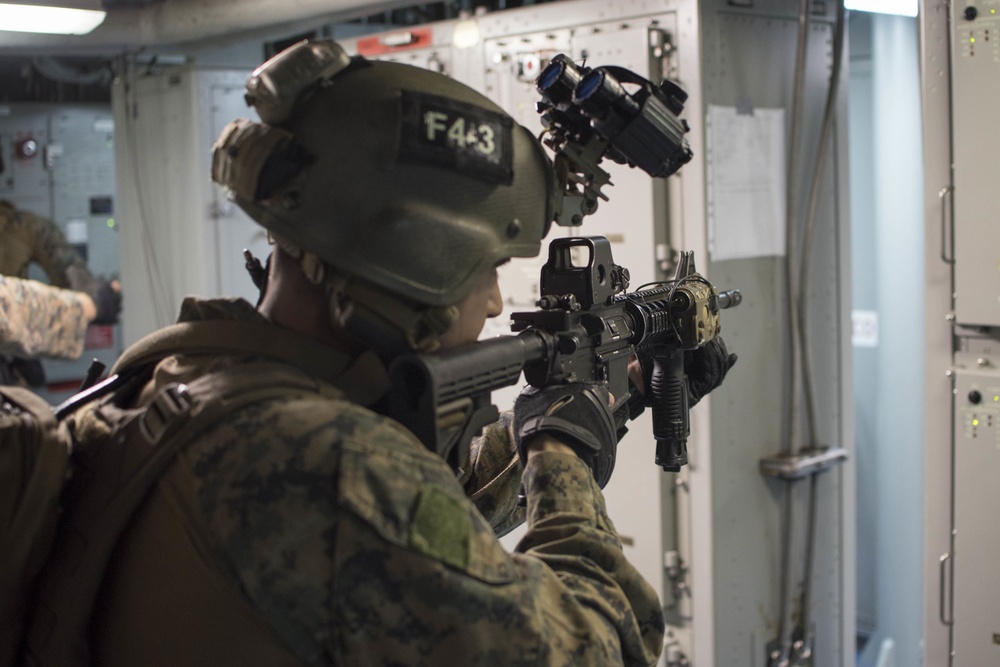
(39, 320)
(567, 516)
(432, 586)
(492, 477)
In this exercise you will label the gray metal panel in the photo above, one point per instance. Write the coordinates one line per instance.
(938, 337)
(749, 56)
(976, 145)
(976, 556)
(81, 159)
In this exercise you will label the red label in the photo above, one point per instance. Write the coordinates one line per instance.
(99, 336)
(404, 40)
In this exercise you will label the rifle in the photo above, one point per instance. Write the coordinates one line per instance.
(586, 330)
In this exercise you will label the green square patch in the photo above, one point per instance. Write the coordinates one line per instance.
(441, 527)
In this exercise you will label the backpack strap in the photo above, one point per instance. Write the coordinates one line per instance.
(113, 475)
(34, 461)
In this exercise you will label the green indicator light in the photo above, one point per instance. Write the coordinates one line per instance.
(972, 40)
(993, 11)
(111, 225)
(996, 399)
(975, 422)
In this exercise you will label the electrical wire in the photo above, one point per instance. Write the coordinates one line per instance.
(810, 224)
(791, 374)
(798, 94)
(805, 612)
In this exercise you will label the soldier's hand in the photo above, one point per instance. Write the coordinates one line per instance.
(706, 368)
(578, 415)
(105, 294)
(108, 301)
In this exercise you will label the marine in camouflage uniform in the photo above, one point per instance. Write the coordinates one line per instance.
(29, 238)
(313, 530)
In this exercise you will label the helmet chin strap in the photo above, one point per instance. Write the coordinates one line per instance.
(384, 321)
(372, 315)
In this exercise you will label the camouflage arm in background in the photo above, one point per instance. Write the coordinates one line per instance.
(39, 320)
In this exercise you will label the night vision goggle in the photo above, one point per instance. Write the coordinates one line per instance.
(589, 115)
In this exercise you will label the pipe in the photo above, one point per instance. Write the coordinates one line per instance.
(805, 606)
(189, 22)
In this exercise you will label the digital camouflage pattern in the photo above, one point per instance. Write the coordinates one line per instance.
(39, 320)
(352, 544)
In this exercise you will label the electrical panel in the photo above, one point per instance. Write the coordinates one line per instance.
(960, 65)
(975, 598)
(976, 227)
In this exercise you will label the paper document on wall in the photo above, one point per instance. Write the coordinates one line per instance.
(746, 182)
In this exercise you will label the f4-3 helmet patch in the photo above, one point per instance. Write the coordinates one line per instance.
(463, 137)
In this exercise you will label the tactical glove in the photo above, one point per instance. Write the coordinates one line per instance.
(107, 300)
(577, 414)
(705, 369)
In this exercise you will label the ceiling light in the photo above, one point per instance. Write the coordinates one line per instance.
(74, 18)
(901, 7)
(465, 34)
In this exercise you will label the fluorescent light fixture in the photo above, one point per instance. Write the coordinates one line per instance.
(49, 20)
(901, 7)
(465, 34)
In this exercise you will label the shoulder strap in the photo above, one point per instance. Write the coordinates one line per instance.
(230, 337)
(362, 379)
(112, 477)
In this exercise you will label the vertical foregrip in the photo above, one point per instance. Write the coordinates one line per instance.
(670, 408)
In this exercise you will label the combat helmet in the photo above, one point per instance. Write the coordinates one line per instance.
(398, 176)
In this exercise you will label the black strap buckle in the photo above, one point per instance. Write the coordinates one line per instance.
(173, 401)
